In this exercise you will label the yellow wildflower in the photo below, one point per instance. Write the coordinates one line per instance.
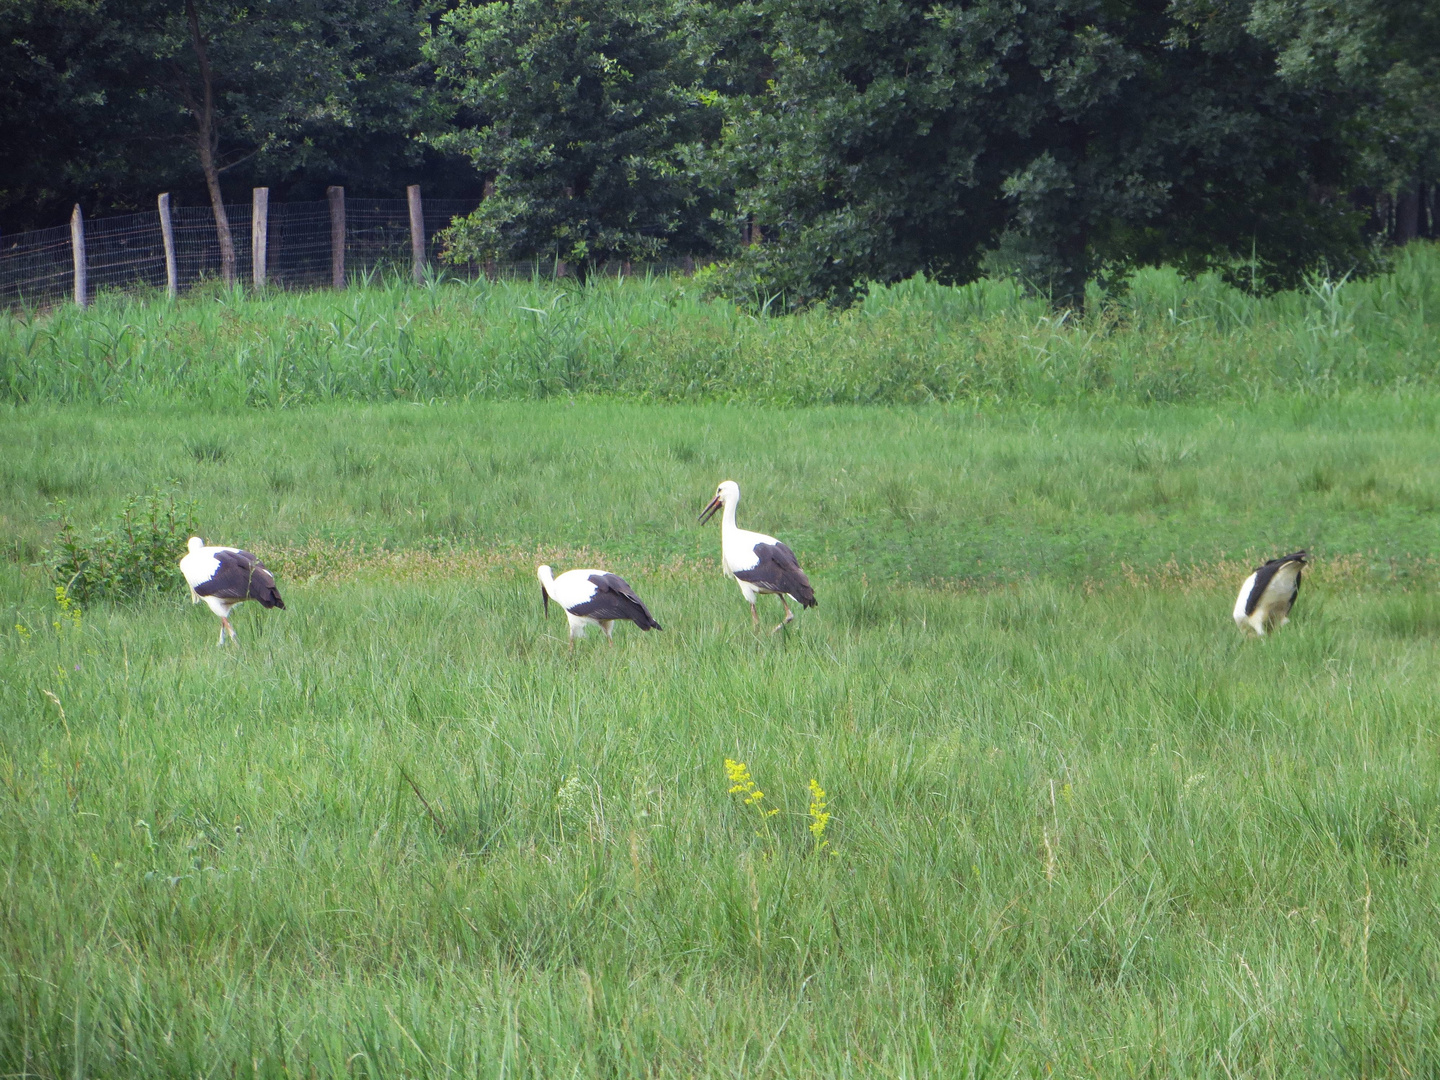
(69, 609)
(819, 816)
(741, 783)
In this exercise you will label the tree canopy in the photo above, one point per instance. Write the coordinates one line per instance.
(587, 115)
(1381, 59)
(1064, 141)
(104, 99)
(1074, 135)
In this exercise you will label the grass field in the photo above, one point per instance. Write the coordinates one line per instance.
(1080, 827)
(1165, 340)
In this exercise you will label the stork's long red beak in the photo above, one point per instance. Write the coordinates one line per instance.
(709, 511)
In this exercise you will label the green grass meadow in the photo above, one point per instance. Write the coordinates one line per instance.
(1080, 826)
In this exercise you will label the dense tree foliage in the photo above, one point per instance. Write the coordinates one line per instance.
(1381, 58)
(896, 135)
(587, 119)
(109, 101)
(861, 140)
(70, 115)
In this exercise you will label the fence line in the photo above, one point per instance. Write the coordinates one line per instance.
(175, 248)
(285, 245)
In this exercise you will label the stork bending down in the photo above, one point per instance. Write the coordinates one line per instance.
(225, 577)
(1269, 593)
(593, 598)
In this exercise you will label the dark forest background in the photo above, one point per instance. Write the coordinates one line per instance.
(810, 146)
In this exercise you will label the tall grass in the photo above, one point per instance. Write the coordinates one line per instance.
(940, 493)
(1164, 340)
(1079, 826)
(399, 831)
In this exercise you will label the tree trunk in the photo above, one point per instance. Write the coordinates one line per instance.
(1407, 216)
(207, 142)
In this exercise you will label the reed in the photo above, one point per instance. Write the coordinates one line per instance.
(655, 339)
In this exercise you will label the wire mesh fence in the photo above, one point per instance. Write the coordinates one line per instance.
(126, 253)
(36, 267)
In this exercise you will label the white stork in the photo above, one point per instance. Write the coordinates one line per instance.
(760, 564)
(593, 598)
(224, 577)
(1269, 593)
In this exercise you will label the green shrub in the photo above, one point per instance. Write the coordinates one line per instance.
(135, 556)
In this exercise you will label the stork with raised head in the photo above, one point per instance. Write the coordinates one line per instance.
(224, 577)
(1269, 593)
(593, 598)
(760, 564)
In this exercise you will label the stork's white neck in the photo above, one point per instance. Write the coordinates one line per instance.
(727, 518)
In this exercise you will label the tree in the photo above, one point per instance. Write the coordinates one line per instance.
(582, 118)
(74, 125)
(1080, 136)
(1382, 59)
(131, 89)
(257, 79)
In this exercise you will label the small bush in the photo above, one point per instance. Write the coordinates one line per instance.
(756, 281)
(135, 556)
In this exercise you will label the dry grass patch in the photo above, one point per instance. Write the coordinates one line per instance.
(332, 563)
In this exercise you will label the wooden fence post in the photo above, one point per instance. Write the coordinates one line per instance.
(259, 234)
(77, 253)
(336, 195)
(167, 233)
(417, 232)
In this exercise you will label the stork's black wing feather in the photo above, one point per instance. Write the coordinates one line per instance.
(778, 571)
(1263, 576)
(614, 599)
(1266, 574)
(241, 576)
